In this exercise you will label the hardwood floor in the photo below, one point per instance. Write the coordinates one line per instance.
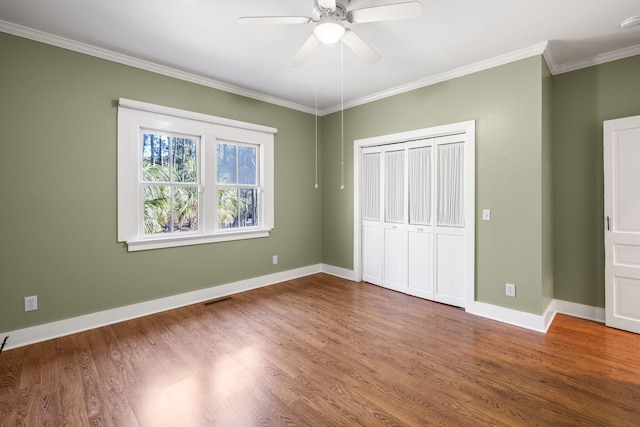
(322, 351)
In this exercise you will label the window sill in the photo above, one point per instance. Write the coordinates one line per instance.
(176, 241)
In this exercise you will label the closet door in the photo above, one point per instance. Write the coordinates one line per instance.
(395, 228)
(371, 216)
(416, 208)
(420, 223)
(414, 236)
(450, 223)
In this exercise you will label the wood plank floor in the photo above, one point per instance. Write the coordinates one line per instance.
(322, 351)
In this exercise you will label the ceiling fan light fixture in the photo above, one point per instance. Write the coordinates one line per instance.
(329, 30)
(630, 22)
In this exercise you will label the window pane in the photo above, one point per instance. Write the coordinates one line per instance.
(226, 163)
(237, 207)
(227, 208)
(248, 212)
(157, 210)
(185, 209)
(185, 166)
(247, 165)
(170, 209)
(155, 157)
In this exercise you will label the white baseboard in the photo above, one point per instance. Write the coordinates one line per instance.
(579, 310)
(338, 272)
(512, 317)
(47, 331)
(540, 323)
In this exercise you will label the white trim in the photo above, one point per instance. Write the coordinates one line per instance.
(200, 239)
(65, 43)
(47, 331)
(513, 317)
(53, 40)
(339, 272)
(596, 60)
(579, 310)
(538, 49)
(442, 77)
(540, 323)
(550, 60)
(192, 115)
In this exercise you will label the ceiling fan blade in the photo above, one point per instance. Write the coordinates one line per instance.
(360, 47)
(305, 51)
(327, 4)
(274, 20)
(388, 12)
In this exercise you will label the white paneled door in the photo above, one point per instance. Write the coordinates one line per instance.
(622, 223)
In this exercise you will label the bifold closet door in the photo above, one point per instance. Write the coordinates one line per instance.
(413, 230)
(420, 229)
(394, 226)
(371, 217)
(450, 226)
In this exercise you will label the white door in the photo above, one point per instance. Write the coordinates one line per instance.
(420, 218)
(622, 223)
(371, 217)
(395, 227)
(450, 232)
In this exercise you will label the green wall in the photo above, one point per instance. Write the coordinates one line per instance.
(538, 165)
(507, 102)
(58, 173)
(582, 100)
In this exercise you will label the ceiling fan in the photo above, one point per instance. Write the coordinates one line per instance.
(330, 17)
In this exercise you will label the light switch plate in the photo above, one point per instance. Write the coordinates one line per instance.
(486, 214)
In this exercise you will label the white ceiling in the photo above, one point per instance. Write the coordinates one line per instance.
(202, 40)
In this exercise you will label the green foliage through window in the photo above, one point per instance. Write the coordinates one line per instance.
(170, 177)
(237, 174)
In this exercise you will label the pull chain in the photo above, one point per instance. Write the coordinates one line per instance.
(342, 116)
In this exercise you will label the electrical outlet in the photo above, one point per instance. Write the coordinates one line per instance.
(275, 259)
(31, 303)
(511, 290)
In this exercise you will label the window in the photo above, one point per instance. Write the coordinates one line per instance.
(170, 183)
(237, 185)
(186, 178)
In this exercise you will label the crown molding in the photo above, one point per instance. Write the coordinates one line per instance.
(62, 42)
(550, 59)
(596, 60)
(543, 48)
(448, 75)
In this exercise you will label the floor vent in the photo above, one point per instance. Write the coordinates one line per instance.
(214, 301)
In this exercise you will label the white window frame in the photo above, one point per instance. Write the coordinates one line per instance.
(135, 116)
